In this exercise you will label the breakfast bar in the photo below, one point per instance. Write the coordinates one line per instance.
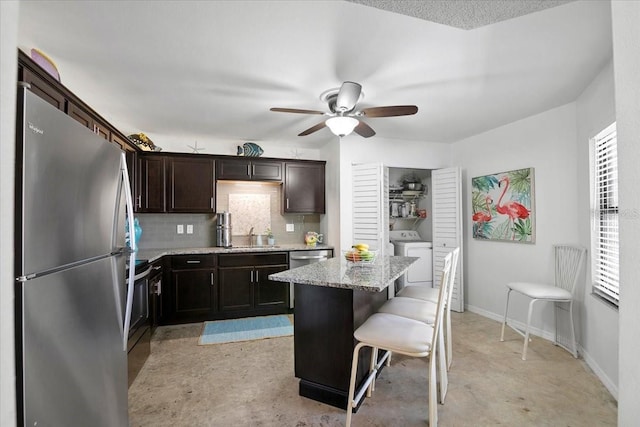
(332, 299)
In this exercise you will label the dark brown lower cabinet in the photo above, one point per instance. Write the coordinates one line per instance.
(245, 288)
(193, 295)
(223, 286)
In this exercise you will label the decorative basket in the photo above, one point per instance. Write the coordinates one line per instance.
(142, 141)
(354, 257)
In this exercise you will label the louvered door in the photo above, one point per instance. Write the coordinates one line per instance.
(447, 227)
(370, 186)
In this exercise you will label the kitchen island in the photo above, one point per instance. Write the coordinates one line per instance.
(333, 298)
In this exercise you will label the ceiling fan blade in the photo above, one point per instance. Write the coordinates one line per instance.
(348, 96)
(364, 130)
(296, 110)
(395, 110)
(312, 129)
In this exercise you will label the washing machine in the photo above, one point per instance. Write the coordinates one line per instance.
(409, 243)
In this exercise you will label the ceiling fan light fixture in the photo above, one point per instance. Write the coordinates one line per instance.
(341, 125)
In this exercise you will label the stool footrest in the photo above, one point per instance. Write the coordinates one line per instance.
(370, 378)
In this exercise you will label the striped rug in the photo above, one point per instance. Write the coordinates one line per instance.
(245, 329)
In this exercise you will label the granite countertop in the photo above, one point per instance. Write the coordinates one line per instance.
(338, 273)
(155, 254)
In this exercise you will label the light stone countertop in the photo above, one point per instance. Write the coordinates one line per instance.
(338, 273)
(155, 254)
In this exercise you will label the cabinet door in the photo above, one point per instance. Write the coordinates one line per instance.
(266, 170)
(236, 288)
(269, 293)
(80, 115)
(191, 185)
(304, 188)
(239, 169)
(43, 89)
(193, 293)
(151, 176)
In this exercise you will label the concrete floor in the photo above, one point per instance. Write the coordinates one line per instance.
(252, 384)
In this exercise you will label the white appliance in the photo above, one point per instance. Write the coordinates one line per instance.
(409, 243)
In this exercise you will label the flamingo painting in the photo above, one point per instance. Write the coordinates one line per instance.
(481, 217)
(514, 192)
(512, 209)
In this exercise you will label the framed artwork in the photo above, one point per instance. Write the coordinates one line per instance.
(503, 206)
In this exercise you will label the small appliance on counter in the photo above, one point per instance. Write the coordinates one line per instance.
(223, 229)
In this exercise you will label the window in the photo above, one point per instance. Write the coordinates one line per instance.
(604, 221)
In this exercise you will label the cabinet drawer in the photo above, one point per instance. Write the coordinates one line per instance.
(246, 260)
(192, 261)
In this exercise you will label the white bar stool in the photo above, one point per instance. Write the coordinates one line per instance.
(392, 333)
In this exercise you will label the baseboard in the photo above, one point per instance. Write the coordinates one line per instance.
(613, 388)
(591, 363)
(520, 325)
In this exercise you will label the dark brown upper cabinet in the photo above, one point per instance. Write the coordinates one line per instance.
(191, 185)
(244, 169)
(175, 184)
(150, 184)
(304, 188)
(55, 93)
(42, 88)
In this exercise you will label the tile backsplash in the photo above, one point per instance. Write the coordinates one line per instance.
(159, 230)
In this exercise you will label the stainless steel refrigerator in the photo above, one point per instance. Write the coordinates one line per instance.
(71, 290)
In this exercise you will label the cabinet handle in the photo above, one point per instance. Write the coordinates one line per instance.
(212, 203)
(249, 170)
(251, 276)
(287, 203)
(253, 169)
(257, 276)
(193, 261)
(212, 279)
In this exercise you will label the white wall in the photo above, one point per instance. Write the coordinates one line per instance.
(393, 153)
(546, 142)
(330, 222)
(626, 45)
(8, 67)
(595, 110)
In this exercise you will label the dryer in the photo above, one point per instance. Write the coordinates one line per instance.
(409, 243)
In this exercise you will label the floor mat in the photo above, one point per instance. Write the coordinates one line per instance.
(246, 329)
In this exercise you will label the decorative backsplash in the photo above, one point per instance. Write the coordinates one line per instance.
(249, 211)
(159, 230)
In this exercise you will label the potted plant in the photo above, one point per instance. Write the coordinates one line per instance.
(270, 238)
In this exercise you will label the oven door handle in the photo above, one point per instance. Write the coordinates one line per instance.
(143, 274)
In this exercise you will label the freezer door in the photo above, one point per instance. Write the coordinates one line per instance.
(74, 368)
(69, 194)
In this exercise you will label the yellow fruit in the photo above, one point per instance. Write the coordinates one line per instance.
(361, 246)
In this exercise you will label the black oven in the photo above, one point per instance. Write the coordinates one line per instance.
(139, 342)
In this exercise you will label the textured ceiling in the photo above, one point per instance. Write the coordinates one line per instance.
(208, 71)
(465, 14)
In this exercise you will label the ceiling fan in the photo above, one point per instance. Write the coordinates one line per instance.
(344, 117)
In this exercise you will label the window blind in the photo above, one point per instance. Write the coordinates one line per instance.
(605, 266)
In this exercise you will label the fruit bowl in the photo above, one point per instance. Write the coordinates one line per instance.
(355, 257)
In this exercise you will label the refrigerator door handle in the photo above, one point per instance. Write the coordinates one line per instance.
(132, 256)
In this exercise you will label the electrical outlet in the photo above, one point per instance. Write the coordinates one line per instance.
(180, 229)
(290, 228)
(189, 228)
